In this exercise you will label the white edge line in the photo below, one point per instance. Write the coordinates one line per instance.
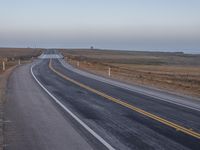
(73, 115)
(134, 90)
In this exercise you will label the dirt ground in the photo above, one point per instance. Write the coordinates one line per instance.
(175, 72)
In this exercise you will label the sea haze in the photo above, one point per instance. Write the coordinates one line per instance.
(171, 25)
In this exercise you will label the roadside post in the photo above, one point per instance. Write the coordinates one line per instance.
(78, 64)
(19, 62)
(109, 71)
(3, 64)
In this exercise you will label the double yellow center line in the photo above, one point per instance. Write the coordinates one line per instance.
(136, 109)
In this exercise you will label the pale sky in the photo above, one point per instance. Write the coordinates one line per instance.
(172, 25)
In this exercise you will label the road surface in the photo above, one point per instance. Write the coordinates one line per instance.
(78, 112)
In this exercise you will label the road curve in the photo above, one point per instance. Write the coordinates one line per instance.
(32, 122)
(121, 118)
(120, 126)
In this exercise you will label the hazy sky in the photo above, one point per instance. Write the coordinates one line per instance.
(116, 24)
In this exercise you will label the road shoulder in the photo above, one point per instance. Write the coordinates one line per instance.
(3, 86)
(33, 122)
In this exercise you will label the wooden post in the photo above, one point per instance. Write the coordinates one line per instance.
(3, 64)
(77, 64)
(109, 71)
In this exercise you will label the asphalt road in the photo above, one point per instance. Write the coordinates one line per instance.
(32, 122)
(40, 123)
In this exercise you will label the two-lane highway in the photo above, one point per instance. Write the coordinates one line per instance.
(124, 119)
(99, 115)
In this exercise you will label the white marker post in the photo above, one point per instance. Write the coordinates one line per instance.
(19, 62)
(4, 67)
(109, 71)
(78, 63)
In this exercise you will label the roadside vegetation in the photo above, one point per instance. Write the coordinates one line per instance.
(14, 56)
(175, 72)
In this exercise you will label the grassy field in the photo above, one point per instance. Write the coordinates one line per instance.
(176, 72)
(11, 56)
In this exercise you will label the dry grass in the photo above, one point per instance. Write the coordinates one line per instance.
(11, 56)
(175, 72)
(23, 53)
(134, 57)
